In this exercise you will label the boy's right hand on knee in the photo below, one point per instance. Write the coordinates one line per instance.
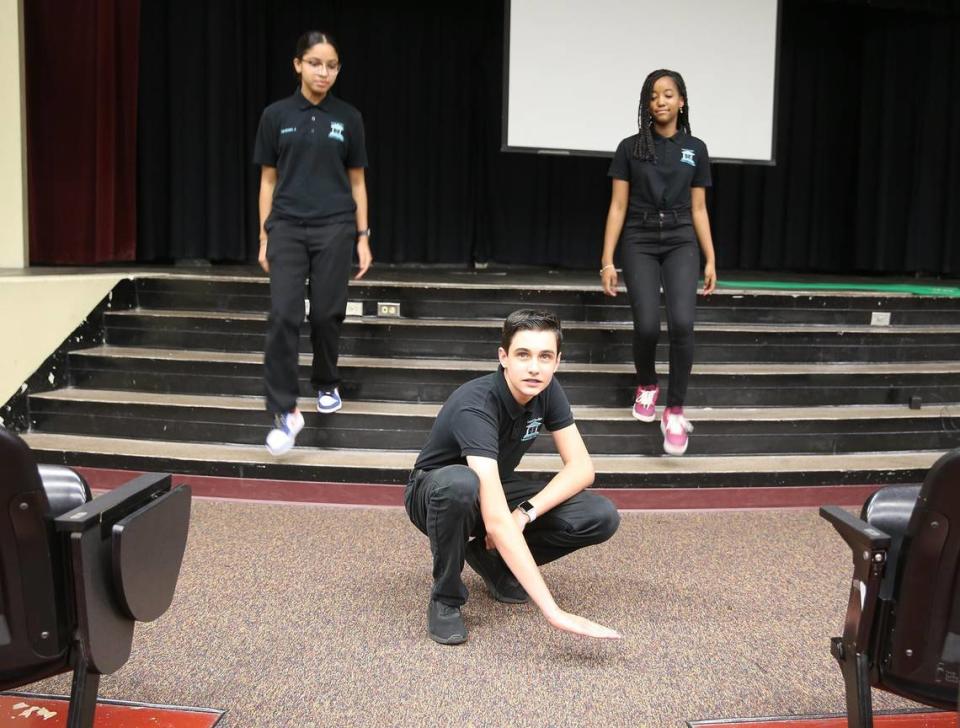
(581, 625)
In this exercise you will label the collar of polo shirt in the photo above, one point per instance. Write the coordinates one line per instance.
(305, 102)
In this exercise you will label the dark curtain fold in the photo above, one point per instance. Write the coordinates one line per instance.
(81, 92)
(868, 158)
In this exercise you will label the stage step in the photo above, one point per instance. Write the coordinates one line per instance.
(404, 426)
(607, 385)
(572, 296)
(583, 341)
(789, 388)
(362, 466)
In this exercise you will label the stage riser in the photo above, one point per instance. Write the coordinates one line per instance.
(195, 336)
(583, 388)
(588, 346)
(430, 302)
(281, 470)
(383, 432)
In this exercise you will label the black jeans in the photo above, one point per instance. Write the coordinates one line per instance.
(670, 256)
(295, 251)
(445, 505)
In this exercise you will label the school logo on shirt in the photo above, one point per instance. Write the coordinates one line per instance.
(687, 157)
(336, 130)
(533, 429)
(288, 130)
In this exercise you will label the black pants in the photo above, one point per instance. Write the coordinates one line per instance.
(445, 505)
(295, 251)
(652, 256)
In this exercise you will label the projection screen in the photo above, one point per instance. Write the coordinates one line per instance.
(573, 71)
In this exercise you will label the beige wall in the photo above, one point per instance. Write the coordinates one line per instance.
(39, 312)
(13, 168)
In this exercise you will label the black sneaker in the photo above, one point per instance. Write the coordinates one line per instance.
(500, 582)
(445, 624)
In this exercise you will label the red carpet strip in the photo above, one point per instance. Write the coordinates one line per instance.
(22, 710)
(890, 720)
(371, 494)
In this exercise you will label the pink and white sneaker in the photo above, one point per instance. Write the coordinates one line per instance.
(676, 430)
(645, 404)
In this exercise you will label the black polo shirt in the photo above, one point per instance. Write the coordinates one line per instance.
(482, 418)
(682, 163)
(312, 146)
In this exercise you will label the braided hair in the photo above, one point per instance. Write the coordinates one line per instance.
(644, 149)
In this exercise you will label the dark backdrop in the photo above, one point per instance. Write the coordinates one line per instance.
(868, 140)
(80, 62)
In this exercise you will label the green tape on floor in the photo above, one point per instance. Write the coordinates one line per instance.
(917, 290)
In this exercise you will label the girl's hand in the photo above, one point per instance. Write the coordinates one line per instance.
(608, 276)
(365, 256)
(709, 279)
(262, 257)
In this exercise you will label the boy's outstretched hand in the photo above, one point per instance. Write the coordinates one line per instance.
(581, 625)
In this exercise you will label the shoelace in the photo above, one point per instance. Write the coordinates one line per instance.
(281, 422)
(646, 397)
(676, 423)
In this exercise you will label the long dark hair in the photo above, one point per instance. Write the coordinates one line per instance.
(644, 150)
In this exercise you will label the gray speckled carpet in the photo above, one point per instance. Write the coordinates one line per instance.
(315, 616)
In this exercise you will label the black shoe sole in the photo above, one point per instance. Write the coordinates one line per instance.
(491, 587)
(456, 639)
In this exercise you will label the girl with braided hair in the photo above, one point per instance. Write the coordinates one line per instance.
(658, 209)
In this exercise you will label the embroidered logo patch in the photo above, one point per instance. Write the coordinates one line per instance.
(336, 130)
(533, 429)
(687, 157)
(288, 130)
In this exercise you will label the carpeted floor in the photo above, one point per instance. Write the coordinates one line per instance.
(304, 616)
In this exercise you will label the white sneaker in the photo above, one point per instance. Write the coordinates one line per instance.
(328, 401)
(284, 434)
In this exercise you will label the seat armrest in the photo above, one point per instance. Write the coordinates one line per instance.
(858, 534)
(111, 507)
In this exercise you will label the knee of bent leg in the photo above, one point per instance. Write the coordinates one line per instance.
(606, 519)
(461, 486)
(645, 326)
(681, 328)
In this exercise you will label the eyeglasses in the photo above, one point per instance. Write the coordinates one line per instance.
(315, 65)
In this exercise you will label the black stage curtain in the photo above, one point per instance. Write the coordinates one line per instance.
(868, 142)
(81, 92)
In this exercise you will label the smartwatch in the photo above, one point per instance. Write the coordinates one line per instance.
(528, 508)
(364, 233)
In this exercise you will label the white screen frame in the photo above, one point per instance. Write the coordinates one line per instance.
(738, 121)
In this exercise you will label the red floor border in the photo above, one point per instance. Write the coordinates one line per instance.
(372, 494)
(31, 710)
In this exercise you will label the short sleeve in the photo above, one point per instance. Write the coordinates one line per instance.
(620, 165)
(475, 432)
(701, 177)
(557, 414)
(357, 153)
(265, 147)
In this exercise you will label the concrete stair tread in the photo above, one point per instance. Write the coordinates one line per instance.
(567, 325)
(402, 460)
(412, 409)
(478, 367)
(438, 279)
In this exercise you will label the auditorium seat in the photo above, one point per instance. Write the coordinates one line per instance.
(902, 627)
(77, 573)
